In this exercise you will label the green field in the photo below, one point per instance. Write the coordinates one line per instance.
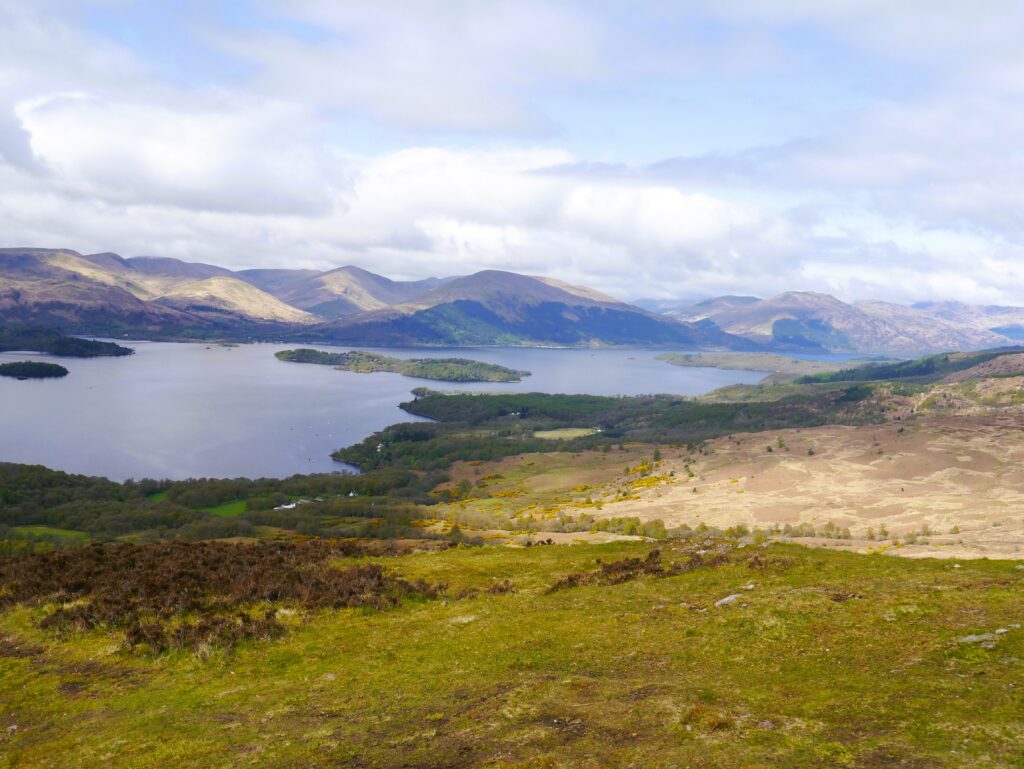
(825, 660)
(228, 509)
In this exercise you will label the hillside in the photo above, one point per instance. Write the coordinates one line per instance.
(105, 293)
(711, 307)
(495, 307)
(350, 290)
(228, 295)
(691, 653)
(1008, 321)
(61, 289)
(819, 322)
(150, 296)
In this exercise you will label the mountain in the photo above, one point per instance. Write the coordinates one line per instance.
(62, 289)
(496, 307)
(1007, 321)
(347, 291)
(818, 322)
(105, 293)
(276, 282)
(162, 266)
(224, 295)
(710, 307)
(152, 296)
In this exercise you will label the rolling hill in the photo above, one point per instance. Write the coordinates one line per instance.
(225, 295)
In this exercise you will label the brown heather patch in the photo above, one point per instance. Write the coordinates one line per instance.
(153, 592)
(627, 569)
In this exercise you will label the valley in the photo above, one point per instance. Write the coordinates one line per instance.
(523, 565)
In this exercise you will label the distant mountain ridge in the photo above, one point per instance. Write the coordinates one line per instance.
(496, 307)
(814, 322)
(162, 297)
(159, 296)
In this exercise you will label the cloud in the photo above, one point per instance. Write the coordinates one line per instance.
(224, 154)
(435, 65)
(906, 192)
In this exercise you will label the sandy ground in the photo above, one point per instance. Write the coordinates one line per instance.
(961, 477)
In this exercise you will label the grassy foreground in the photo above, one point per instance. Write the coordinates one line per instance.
(823, 659)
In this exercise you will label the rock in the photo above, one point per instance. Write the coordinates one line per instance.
(985, 640)
(728, 599)
(329, 676)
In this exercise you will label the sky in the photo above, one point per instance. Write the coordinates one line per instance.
(867, 149)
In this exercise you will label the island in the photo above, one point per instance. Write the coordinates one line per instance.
(26, 369)
(23, 338)
(441, 369)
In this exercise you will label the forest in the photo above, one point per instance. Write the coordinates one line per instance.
(42, 508)
(29, 369)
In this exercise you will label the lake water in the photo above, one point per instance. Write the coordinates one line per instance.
(192, 410)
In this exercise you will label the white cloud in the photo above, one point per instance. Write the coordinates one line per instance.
(438, 64)
(223, 155)
(900, 199)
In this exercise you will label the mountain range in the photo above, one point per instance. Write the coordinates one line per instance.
(813, 322)
(158, 297)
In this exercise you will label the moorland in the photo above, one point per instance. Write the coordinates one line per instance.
(729, 553)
